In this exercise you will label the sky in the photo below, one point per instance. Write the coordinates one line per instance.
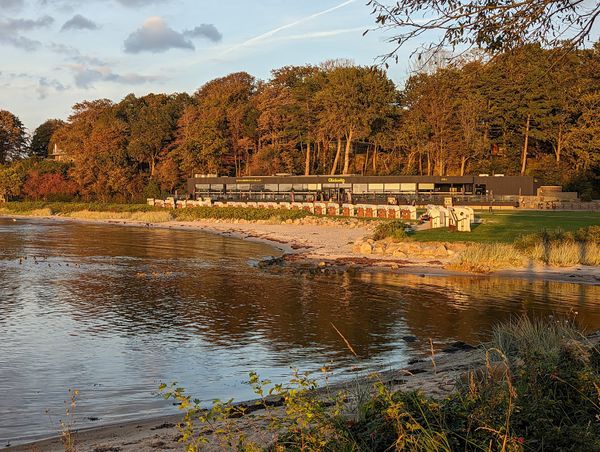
(55, 53)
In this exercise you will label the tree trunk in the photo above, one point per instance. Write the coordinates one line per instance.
(364, 168)
(152, 166)
(428, 163)
(525, 146)
(337, 157)
(375, 161)
(347, 153)
(307, 159)
(463, 164)
(558, 149)
(409, 163)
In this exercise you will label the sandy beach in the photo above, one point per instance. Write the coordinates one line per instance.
(328, 245)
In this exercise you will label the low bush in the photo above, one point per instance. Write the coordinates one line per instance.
(151, 214)
(561, 248)
(538, 388)
(394, 229)
(483, 257)
(64, 208)
(238, 213)
(147, 217)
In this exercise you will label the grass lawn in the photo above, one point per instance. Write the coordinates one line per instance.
(506, 226)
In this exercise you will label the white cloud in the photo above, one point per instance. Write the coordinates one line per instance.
(11, 32)
(46, 85)
(11, 5)
(156, 36)
(75, 55)
(78, 22)
(85, 76)
(208, 31)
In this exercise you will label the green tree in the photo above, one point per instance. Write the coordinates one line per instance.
(13, 137)
(40, 141)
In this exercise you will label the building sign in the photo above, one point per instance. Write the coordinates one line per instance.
(248, 181)
(336, 180)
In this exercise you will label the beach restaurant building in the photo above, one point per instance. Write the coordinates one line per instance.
(362, 189)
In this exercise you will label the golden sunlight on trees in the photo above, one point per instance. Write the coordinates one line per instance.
(531, 110)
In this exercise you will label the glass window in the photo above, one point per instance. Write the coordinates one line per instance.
(257, 187)
(243, 187)
(330, 185)
(359, 188)
(216, 187)
(285, 187)
(202, 187)
(271, 187)
(300, 187)
(375, 187)
(314, 186)
(408, 188)
(423, 186)
(392, 188)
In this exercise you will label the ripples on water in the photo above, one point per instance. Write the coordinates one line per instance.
(113, 311)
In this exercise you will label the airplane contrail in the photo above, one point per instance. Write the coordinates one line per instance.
(321, 34)
(285, 27)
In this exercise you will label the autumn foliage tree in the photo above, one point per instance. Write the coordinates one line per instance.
(529, 111)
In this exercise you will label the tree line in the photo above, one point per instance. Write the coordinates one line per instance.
(527, 111)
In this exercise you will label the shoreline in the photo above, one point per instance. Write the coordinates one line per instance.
(162, 433)
(314, 247)
(320, 248)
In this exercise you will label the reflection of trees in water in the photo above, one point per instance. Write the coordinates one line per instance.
(183, 285)
(234, 306)
(465, 307)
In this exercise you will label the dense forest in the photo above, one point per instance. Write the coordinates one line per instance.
(528, 111)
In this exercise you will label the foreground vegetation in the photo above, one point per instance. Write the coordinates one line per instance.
(535, 387)
(144, 212)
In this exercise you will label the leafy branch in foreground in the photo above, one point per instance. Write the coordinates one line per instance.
(492, 26)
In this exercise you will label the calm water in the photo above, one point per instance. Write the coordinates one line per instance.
(114, 311)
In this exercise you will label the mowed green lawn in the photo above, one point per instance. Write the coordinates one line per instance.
(506, 226)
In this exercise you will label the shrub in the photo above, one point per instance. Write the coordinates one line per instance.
(483, 257)
(394, 229)
(562, 248)
(538, 389)
(589, 234)
(556, 376)
(238, 213)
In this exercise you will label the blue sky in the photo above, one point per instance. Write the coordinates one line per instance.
(54, 53)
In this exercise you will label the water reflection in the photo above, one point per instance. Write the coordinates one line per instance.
(113, 311)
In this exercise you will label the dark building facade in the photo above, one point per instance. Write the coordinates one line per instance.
(361, 188)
